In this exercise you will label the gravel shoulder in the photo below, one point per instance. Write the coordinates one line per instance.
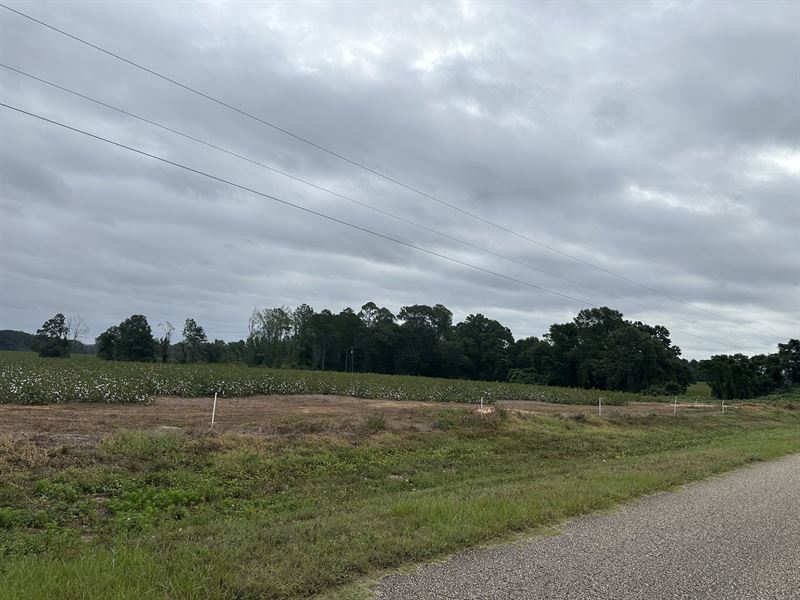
(732, 536)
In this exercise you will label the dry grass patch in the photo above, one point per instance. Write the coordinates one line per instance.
(19, 453)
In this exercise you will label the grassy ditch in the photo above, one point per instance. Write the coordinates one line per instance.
(148, 514)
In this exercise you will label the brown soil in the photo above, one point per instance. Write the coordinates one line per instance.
(270, 414)
(254, 414)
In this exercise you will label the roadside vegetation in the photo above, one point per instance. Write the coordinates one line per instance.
(788, 397)
(169, 514)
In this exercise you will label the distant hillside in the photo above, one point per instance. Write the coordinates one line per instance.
(20, 340)
(15, 340)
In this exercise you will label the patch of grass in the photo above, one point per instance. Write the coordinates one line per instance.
(467, 421)
(360, 590)
(15, 517)
(18, 453)
(374, 423)
(221, 516)
(145, 449)
(122, 573)
(699, 391)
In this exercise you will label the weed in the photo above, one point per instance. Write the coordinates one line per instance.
(374, 423)
(20, 454)
(145, 449)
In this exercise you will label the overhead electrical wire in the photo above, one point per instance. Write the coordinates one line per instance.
(329, 217)
(348, 198)
(375, 172)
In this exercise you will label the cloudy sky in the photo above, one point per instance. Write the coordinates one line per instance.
(660, 141)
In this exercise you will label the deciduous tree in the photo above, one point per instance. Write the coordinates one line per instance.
(53, 338)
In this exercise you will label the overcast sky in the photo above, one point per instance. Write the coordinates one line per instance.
(660, 141)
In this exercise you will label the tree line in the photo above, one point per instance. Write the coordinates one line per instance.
(133, 340)
(56, 338)
(598, 349)
(738, 376)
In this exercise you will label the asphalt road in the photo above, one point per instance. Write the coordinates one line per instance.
(728, 538)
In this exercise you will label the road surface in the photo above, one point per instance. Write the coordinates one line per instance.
(733, 537)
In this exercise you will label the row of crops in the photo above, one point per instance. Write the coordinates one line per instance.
(27, 379)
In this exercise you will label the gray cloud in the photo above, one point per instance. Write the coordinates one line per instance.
(659, 140)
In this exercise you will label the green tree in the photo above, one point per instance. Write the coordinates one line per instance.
(377, 340)
(194, 342)
(422, 327)
(302, 336)
(769, 373)
(789, 354)
(739, 376)
(236, 352)
(563, 340)
(134, 340)
(215, 352)
(730, 377)
(106, 344)
(373, 316)
(53, 338)
(270, 337)
(531, 361)
(600, 349)
(487, 346)
(347, 327)
(323, 337)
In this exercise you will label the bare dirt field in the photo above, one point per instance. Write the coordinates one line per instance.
(273, 414)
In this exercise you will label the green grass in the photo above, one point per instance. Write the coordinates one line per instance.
(700, 391)
(144, 514)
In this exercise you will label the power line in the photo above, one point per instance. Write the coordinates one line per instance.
(348, 198)
(329, 217)
(374, 171)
